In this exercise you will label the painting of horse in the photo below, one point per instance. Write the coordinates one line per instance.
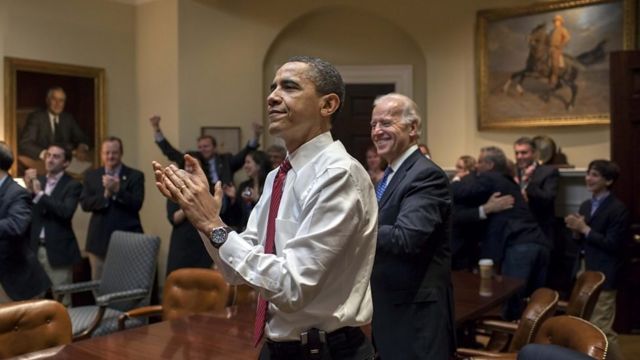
(527, 77)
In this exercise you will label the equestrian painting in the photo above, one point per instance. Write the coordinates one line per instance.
(548, 64)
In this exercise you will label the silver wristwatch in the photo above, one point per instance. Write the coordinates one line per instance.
(218, 235)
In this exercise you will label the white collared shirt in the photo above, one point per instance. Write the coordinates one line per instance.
(395, 165)
(49, 186)
(326, 232)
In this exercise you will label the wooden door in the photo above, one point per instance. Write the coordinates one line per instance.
(625, 151)
(352, 125)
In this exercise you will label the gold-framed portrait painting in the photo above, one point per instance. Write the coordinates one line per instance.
(46, 103)
(548, 64)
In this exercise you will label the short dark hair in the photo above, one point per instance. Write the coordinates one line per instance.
(608, 169)
(325, 77)
(211, 138)
(526, 141)
(116, 139)
(68, 152)
(6, 156)
(497, 157)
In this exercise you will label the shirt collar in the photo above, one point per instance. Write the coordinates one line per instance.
(598, 199)
(3, 179)
(395, 165)
(56, 177)
(116, 170)
(307, 151)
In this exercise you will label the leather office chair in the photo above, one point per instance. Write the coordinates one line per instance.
(584, 295)
(32, 325)
(541, 306)
(562, 332)
(126, 283)
(187, 291)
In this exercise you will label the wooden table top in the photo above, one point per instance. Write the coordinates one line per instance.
(209, 337)
(470, 303)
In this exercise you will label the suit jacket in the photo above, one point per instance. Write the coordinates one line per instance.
(37, 136)
(466, 236)
(541, 192)
(120, 212)
(513, 226)
(21, 275)
(410, 281)
(54, 212)
(604, 244)
(226, 163)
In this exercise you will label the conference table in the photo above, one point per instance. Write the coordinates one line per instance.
(204, 336)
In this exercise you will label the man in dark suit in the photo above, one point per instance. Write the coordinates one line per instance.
(513, 239)
(410, 283)
(601, 227)
(44, 127)
(55, 200)
(21, 276)
(113, 194)
(216, 166)
(539, 184)
(469, 226)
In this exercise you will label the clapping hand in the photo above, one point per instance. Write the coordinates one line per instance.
(190, 189)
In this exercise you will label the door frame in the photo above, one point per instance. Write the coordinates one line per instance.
(399, 75)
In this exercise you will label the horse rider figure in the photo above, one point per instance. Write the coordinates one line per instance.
(558, 39)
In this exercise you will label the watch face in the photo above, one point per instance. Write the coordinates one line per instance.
(219, 236)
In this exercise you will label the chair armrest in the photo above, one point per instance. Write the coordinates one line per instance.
(106, 299)
(562, 306)
(64, 289)
(499, 325)
(138, 312)
(477, 354)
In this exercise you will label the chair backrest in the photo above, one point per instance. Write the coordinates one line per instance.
(585, 294)
(32, 325)
(573, 333)
(542, 305)
(194, 290)
(130, 264)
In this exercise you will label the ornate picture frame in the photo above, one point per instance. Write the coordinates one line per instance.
(531, 73)
(26, 83)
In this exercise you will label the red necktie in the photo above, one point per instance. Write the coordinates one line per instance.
(269, 246)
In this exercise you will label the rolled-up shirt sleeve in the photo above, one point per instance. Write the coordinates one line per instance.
(307, 245)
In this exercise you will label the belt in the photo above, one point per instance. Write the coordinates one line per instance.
(341, 338)
(41, 242)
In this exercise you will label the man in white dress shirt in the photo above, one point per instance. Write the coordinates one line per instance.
(316, 281)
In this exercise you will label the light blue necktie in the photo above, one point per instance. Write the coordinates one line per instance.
(382, 185)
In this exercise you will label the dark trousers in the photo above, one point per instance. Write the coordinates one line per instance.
(529, 262)
(351, 345)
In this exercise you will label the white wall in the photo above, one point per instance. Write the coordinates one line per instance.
(157, 93)
(82, 32)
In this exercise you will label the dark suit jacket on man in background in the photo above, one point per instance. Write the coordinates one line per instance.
(54, 212)
(37, 136)
(603, 247)
(514, 240)
(227, 164)
(466, 237)
(21, 275)
(120, 212)
(542, 191)
(504, 228)
(411, 281)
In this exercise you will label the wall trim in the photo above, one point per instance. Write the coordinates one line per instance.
(399, 75)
